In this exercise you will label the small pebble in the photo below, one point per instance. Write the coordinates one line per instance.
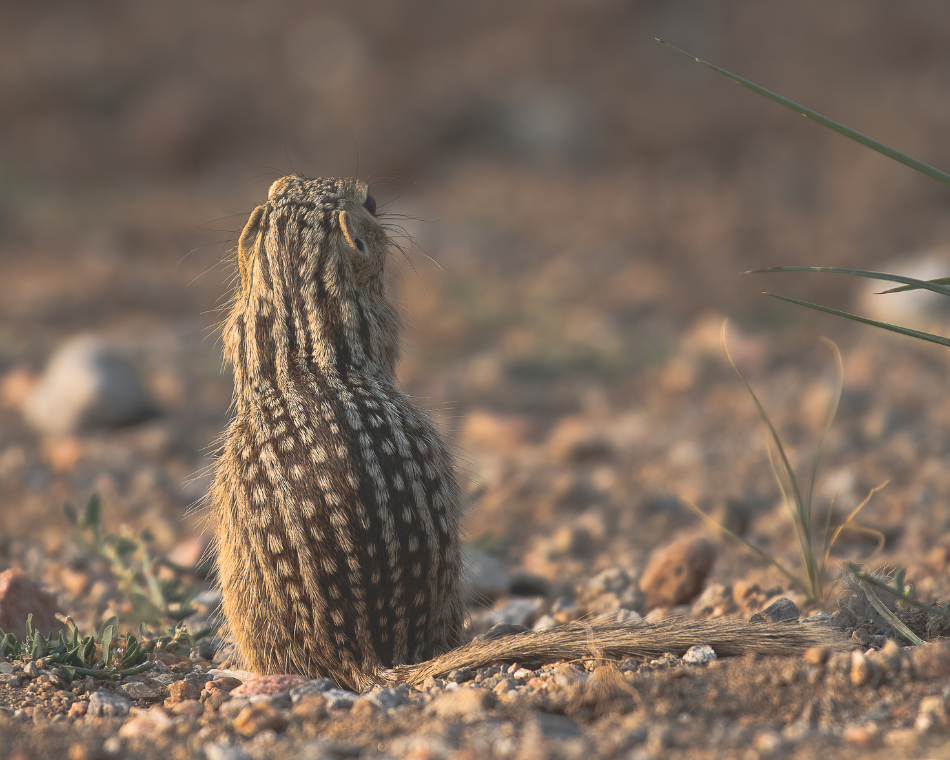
(182, 690)
(189, 707)
(698, 655)
(256, 718)
(340, 698)
(221, 752)
(139, 690)
(461, 675)
(777, 612)
(104, 704)
(310, 687)
(273, 684)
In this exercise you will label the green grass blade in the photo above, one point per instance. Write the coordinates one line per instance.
(939, 339)
(796, 512)
(889, 616)
(902, 596)
(796, 493)
(912, 282)
(868, 142)
(832, 411)
(938, 281)
(800, 511)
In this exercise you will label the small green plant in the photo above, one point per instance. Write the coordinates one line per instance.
(814, 548)
(154, 602)
(105, 654)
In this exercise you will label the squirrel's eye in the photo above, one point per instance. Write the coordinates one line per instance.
(370, 204)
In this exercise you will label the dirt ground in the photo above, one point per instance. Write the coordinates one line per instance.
(579, 201)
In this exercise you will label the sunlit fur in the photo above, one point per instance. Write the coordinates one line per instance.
(335, 501)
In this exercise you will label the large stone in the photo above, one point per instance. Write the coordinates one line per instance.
(21, 596)
(87, 385)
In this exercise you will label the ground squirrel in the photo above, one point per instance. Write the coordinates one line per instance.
(335, 501)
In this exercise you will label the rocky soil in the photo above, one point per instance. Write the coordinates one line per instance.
(576, 203)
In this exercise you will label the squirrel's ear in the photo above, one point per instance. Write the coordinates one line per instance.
(356, 243)
(247, 242)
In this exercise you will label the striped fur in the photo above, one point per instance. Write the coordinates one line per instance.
(335, 501)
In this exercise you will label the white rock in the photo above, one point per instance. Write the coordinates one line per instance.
(87, 385)
(220, 752)
(699, 654)
(104, 704)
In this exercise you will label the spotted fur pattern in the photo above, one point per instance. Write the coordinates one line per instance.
(335, 502)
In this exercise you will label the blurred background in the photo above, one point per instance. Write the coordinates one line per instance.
(580, 200)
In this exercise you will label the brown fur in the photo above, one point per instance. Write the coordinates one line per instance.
(335, 502)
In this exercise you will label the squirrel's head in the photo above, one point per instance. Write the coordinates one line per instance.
(313, 289)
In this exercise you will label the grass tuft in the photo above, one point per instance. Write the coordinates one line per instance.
(104, 654)
(814, 547)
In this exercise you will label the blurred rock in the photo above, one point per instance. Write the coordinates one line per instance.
(149, 692)
(147, 724)
(779, 610)
(181, 691)
(310, 688)
(20, 596)
(510, 617)
(697, 655)
(63, 454)
(675, 574)
(611, 590)
(523, 583)
(716, 601)
(485, 576)
(577, 439)
(187, 553)
(15, 386)
(612, 580)
(270, 685)
(572, 540)
(498, 432)
(465, 704)
(104, 704)
(87, 385)
(256, 718)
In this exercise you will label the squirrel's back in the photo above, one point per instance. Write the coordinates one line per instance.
(335, 500)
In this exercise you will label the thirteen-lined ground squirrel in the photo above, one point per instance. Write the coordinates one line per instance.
(335, 501)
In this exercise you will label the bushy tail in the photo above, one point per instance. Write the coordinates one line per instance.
(612, 640)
